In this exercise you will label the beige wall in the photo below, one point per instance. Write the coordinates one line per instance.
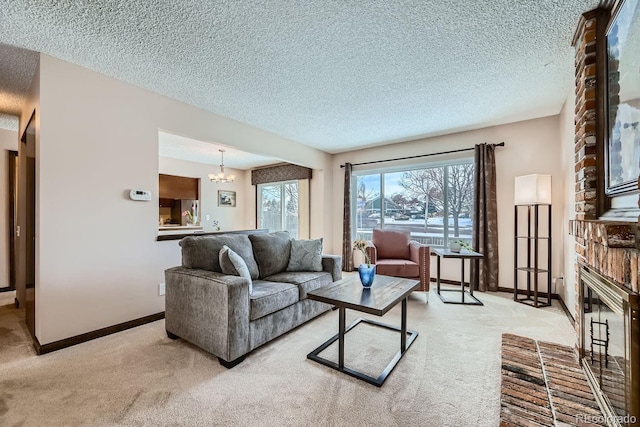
(567, 136)
(531, 146)
(98, 262)
(8, 142)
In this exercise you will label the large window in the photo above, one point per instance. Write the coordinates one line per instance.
(434, 202)
(278, 207)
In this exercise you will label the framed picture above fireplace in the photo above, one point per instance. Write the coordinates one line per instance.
(622, 147)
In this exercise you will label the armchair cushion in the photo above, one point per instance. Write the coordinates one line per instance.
(391, 243)
(398, 268)
(232, 263)
(306, 255)
(272, 252)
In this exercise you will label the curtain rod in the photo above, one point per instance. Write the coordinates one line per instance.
(420, 155)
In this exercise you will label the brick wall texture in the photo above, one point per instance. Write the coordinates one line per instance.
(585, 120)
(610, 248)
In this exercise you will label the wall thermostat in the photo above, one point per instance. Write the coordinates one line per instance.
(143, 195)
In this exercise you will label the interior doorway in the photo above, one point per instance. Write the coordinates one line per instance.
(11, 211)
(26, 228)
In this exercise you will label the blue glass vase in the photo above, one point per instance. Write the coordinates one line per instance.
(367, 274)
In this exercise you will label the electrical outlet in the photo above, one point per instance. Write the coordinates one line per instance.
(161, 289)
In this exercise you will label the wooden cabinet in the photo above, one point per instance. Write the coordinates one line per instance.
(166, 203)
(178, 187)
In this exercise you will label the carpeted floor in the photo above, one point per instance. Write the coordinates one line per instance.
(449, 377)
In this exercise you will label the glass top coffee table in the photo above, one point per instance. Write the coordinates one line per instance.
(462, 255)
(383, 295)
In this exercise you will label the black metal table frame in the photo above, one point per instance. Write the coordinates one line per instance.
(469, 293)
(405, 343)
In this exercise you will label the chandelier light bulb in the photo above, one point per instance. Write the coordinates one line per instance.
(221, 177)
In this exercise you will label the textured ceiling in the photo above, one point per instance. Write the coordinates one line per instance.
(16, 70)
(335, 75)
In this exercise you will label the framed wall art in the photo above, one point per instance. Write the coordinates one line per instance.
(622, 145)
(227, 198)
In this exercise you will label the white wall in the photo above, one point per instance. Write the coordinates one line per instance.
(8, 142)
(229, 218)
(98, 262)
(567, 137)
(531, 146)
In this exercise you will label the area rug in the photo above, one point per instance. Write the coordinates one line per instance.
(543, 385)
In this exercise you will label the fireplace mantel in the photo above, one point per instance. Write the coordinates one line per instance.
(610, 248)
(613, 234)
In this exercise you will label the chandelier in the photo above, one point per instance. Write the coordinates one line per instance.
(221, 177)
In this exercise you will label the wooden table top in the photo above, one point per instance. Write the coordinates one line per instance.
(384, 294)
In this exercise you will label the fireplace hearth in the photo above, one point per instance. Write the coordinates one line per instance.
(609, 345)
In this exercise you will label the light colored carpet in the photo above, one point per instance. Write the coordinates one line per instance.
(449, 377)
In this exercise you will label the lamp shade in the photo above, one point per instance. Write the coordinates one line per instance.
(533, 190)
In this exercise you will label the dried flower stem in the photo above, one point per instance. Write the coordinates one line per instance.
(361, 245)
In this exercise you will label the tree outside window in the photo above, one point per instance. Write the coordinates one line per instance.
(434, 203)
(278, 207)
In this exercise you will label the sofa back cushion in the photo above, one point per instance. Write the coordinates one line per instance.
(203, 251)
(271, 252)
(392, 243)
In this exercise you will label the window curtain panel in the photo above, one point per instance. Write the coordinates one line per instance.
(485, 219)
(347, 251)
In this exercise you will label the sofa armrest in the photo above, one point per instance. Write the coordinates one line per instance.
(420, 253)
(333, 265)
(208, 309)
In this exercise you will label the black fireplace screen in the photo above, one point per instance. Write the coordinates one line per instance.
(609, 346)
(604, 349)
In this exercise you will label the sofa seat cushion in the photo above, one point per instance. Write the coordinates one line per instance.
(269, 297)
(306, 281)
(397, 268)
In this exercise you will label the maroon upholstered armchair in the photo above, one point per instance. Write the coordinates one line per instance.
(395, 254)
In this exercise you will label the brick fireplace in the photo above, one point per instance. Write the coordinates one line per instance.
(609, 248)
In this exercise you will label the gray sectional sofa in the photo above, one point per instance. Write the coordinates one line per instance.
(231, 313)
